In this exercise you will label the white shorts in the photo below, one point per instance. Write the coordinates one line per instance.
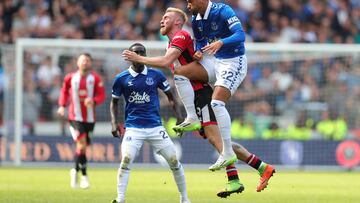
(208, 62)
(228, 73)
(157, 137)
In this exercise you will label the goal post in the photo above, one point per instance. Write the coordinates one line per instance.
(258, 54)
(84, 45)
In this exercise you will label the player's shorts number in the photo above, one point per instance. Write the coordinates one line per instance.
(227, 75)
(163, 134)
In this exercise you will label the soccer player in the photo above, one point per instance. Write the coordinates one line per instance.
(180, 50)
(218, 32)
(211, 132)
(139, 86)
(84, 88)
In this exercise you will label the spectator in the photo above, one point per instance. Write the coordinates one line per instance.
(241, 129)
(332, 127)
(31, 102)
(48, 73)
(40, 23)
(48, 76)
(21, 24)
(265, 21)
(8, 9)
(273, 132)
(282, 77)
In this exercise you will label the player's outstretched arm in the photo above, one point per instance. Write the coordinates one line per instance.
(114, 110)
(160, 61)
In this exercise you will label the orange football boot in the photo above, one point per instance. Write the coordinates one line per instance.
(265, 177)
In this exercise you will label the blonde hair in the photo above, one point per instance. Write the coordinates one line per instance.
(178, 11)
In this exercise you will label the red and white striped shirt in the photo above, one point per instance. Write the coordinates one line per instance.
(79, 88)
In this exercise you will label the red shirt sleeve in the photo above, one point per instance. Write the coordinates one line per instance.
(180, 41)
(64, 92)
(99, 94)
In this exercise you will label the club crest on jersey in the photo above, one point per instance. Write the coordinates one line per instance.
(149, 81)
(214, 26)
(137, 98)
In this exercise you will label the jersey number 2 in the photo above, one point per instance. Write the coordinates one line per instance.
(163, 134)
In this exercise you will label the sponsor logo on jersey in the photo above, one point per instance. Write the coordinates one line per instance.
(82, 92)
(137, 98)
(179, 37)
(214, 26)
(233, 20)
(166, 83)
(149, 81)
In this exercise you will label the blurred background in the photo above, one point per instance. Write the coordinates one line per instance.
(298, 106)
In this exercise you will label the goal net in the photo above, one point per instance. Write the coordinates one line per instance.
(297, 103)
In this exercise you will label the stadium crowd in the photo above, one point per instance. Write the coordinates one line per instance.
(332, 21)
(302, 99)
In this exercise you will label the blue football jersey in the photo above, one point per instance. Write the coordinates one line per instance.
(219, 22)
(140, 91)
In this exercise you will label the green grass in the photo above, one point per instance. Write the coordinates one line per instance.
(157, 186)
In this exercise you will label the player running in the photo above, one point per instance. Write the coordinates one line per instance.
(139, 86)
(84, 88)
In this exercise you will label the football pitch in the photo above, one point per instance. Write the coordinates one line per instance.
(157, 186)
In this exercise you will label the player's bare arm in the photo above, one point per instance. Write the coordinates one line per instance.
(175, 106)
(160, 61)
(198, 56)
(212, 48)
(114, 109)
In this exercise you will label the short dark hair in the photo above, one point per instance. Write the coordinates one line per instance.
(86, 54)
(131, 48)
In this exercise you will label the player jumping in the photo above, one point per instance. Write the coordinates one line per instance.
(180, 50)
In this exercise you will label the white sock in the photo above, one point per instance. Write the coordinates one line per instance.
(224, 122)
(122, 182)
(187, 96)
(179, 177)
